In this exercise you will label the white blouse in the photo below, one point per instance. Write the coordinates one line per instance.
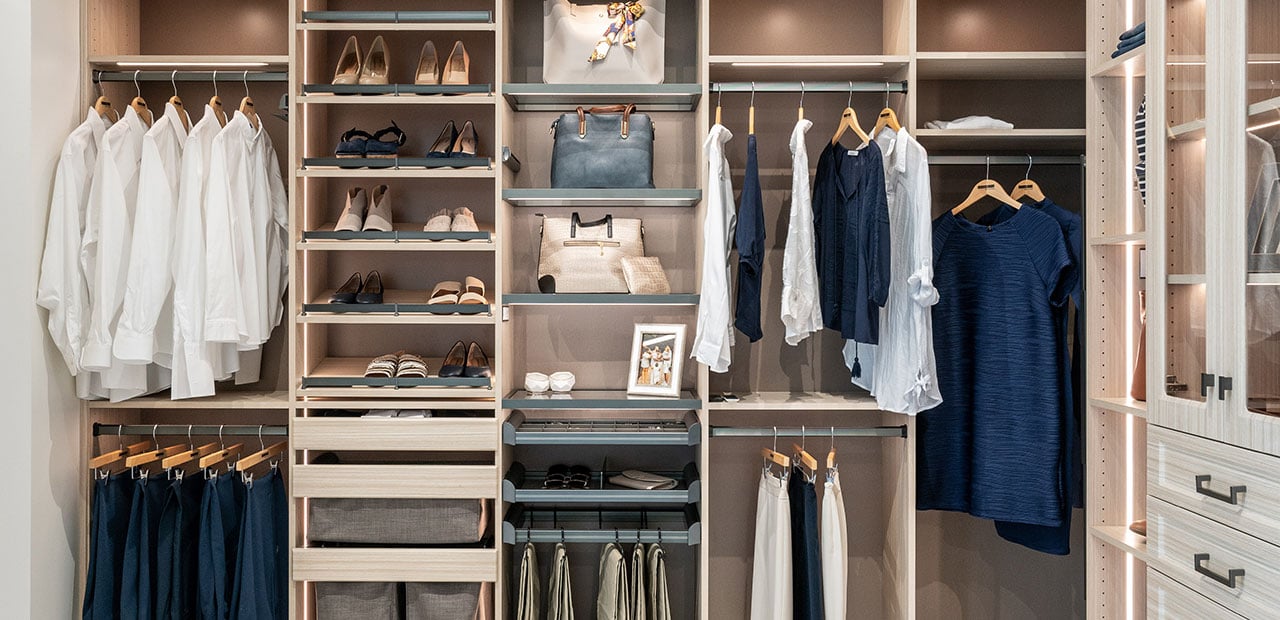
(801, 308)
(713, 342)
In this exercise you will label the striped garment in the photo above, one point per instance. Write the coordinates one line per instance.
(1140, 137)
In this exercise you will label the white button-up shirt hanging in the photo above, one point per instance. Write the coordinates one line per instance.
(801, 309)
(712, 345)
(104, 256)
(902, 367)
(246, 216)
(145, 331)
(63, 290)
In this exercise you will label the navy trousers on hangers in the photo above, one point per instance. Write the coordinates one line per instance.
(138, 581)
(178, 534)
(261, 576)
(108, 528)
(219, 541)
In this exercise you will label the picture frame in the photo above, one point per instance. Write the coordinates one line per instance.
(666, 342)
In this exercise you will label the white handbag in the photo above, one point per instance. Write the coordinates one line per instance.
(586, 257)
(574, 31)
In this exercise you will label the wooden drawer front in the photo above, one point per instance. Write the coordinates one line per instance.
(396, 481)
(1170, 600)
(431, 434)
(1175, 460)
(1179, 539)
(420, 565)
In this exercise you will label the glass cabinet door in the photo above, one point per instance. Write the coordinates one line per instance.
(1261, 240)
(1184, 215)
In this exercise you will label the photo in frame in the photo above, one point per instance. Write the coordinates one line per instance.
(657, 360)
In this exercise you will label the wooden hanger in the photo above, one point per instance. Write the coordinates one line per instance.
(719, 94)
(270, 452)
(887, 118)
(1027, 188)
(986, 188)
(800, 108)
(849, 120)
(221, 456)
(176, 102)
(246, 104)
(751, 112)
(215, 102)
(831, 456)
(102, 105)
(774, 457)
(186, 456)
(139, 104)
(805, 458)
(146, 458)
(107, 459)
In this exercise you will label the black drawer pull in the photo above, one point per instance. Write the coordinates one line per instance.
(1224, 386)
(1206, 382)
(1232, 574)
(1233, 497)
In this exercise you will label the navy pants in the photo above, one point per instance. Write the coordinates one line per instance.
(176, 552)
(750, 240)
(138, 580)
(108, 529)
(806, 558)
(218, 542)
(262, 566)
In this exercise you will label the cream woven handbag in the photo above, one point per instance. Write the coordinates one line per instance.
(586, 257)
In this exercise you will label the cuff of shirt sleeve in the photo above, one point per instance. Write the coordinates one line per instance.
(96, 356)
(133, 347)
(221, 330)
(921, 286)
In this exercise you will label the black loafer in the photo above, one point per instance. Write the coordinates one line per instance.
(579, 477)
(346, 294)
(557, 476)
(477, 362)
(455, 362)
(371, 292)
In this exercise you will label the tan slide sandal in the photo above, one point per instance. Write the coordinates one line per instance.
(474, 294)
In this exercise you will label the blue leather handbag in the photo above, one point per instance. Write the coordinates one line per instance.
(602, 148)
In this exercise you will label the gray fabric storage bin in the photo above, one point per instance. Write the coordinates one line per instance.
(397, 521)
(368, 601)
(444, 601)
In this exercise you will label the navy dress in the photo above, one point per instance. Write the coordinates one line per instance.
(996, 445)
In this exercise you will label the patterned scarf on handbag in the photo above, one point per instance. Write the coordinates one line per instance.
(623, 28)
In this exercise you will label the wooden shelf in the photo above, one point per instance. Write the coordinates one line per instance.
(1001, 139)
(396, 564)
(600, 399)
(229, 64)
(547, 197)
(1000, 65)
(414, 99)
(1130, 64)
(341, 377)
(394, 481)
(1190, 130)
(1138, 238)
(1120, 537)
(406, 237)
(1126, 406)
(1186, 278)
(399, 434)
(397, 307)
(587, 299)
(797, 401)
(1269, 279)
(221, 400)
(561, 97)
(330, 172)
(817, 68)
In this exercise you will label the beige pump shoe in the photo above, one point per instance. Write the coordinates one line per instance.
(375, 63)
(458, 69)
(428, 65)
(348, 71)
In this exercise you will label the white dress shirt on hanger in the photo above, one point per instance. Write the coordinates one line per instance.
(145, 330)
(63, 289)
(713, 342)
(801, 309)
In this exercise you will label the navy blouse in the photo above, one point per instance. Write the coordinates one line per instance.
(851, 226)
(996, 445)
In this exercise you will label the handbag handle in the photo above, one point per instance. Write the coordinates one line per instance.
(575, 221)
(626, 111)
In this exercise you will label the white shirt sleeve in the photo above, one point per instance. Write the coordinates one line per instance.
(801, 313)
(224, 319)
(62, 285)
(149, 278)
(714, 337)
(104, 250)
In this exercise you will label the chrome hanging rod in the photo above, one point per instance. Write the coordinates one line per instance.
(808, 431)
(809, 87)
(248, 430)
(1006, 160)
(224, 75)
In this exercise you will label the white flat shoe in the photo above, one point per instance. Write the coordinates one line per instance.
(379, 217)
(562, 381)
(464, 221)
(440, 222)
(536, 382)
(352, 218)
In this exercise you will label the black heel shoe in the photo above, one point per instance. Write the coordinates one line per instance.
(371, 292)
(455, 362)
(346, 294)
(477, 362)
(444, 142)
(465, 144)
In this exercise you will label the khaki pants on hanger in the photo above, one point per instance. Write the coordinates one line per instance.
(659, 598)
(560, 605)
(528, 597)
(771, 588)
(613, 602)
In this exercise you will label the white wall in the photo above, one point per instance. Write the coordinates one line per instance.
(39, 439)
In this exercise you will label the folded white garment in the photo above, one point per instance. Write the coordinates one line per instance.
(970, 122)
(380, 413)
(634, 479)
(414, 413)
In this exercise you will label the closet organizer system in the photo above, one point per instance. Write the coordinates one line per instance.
(487, 442)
